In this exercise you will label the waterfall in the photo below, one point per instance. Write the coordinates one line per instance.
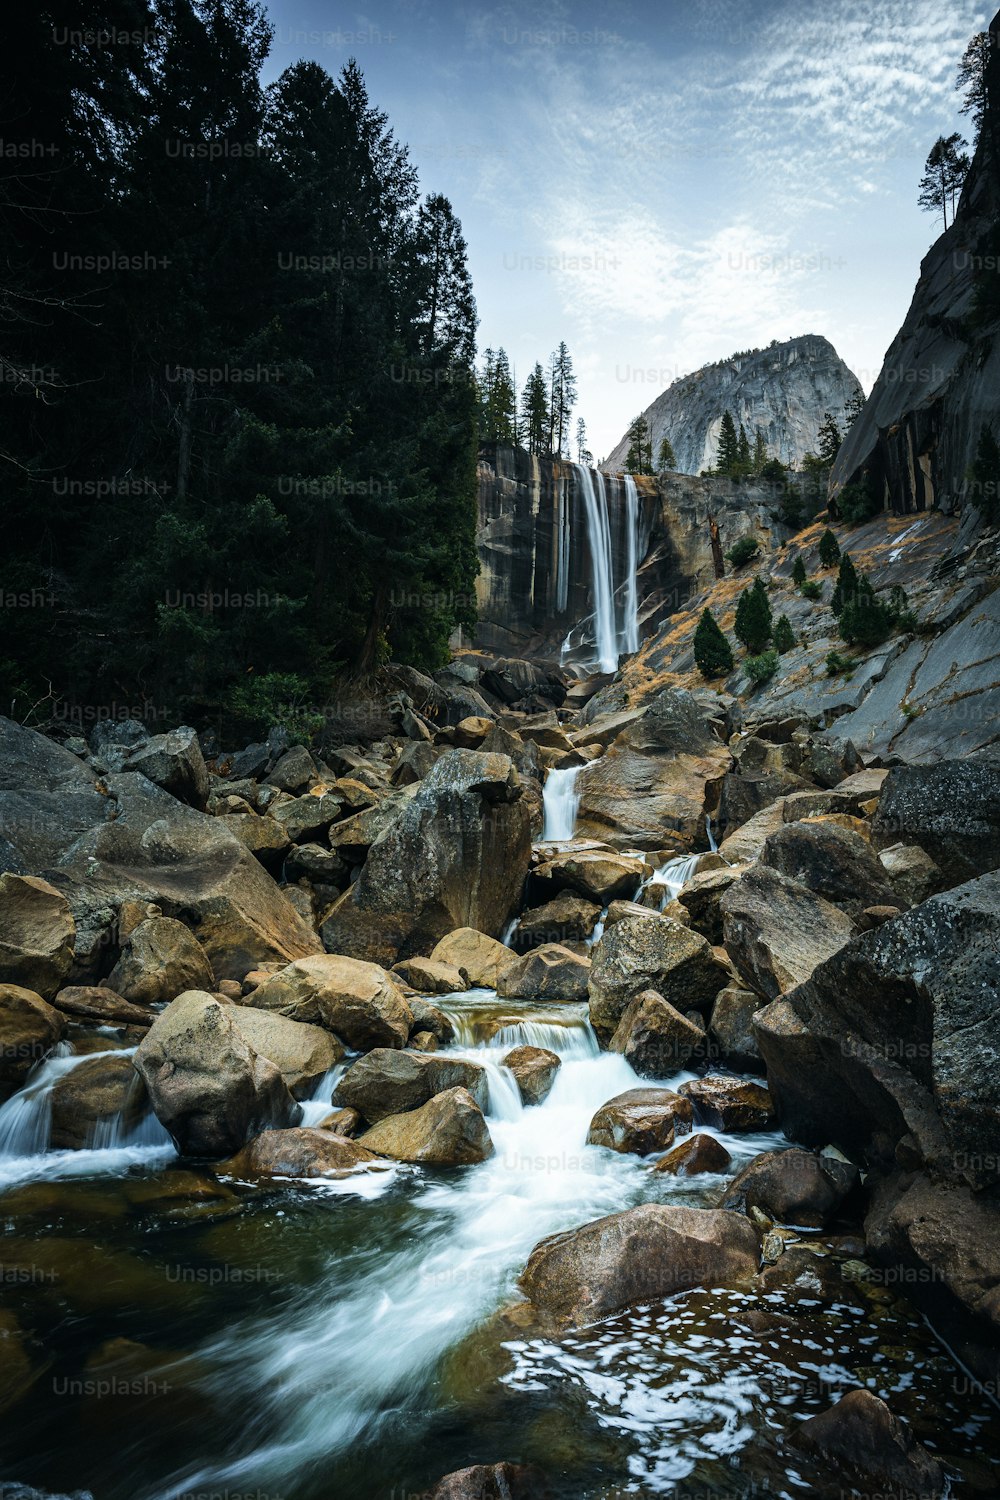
(630, 624)
(562, 544)
(560, 800)
(601, 569)
(674, 876)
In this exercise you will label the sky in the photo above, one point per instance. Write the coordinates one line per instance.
(662, 184)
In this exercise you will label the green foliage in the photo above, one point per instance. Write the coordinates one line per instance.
(753, 617)
(830, 439)
(853, 408)
(983, 480)
(945, 170)
(712, 652)
(900, 614)
(865, 620)
(727, 460)
(667, 458)
(974, 77)
(743, 550)
(858, 502)
(836, 662)
(784, 636)
(799, 574)
(639, 458)
(829, 549)
(811, 589)
(535, 411)
(848, 582)
(278, 699)
(761, 668)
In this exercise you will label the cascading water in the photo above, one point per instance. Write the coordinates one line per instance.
(615, 616)
(601, 568)
(562, 542)
(630, 624)
(673, 876)
(560, 801)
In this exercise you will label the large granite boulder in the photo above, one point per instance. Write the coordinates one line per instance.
(386, 1082)
(641, 1122)
(655, 1038)
(481, 958)
(159, 960)
(90, 1099)
(952, 810)
(174, 762)
(777, 930)
(456, 855)
(428, 976)
(302, 1152)
(48, 798)
(599, 875)
(206, 1084)
(642, 1255)
(37, 933)
(650, 953)
(792, 1187)
(861, 1437)
(447, 1131)
(551, 972)
(29, 1029)
(728, 1103)
(359, 1001)
(566, 918)
(831, 861)
(303, 1054)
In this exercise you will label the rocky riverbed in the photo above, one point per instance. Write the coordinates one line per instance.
(357, 1141)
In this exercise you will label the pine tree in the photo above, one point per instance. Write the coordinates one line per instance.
(667, 457)
(853, 408)
(759, 452)
(728, 455)
(830, 439)
(503, 410)
(799, 574)
(712, 652)
(753, 618)
(945, 171)
(864, 619)
(973, 77)
(583, 453)
(784, 636)
(744, 460)
(829, 549)
(535, 411)
(848, 582)
(639, 458)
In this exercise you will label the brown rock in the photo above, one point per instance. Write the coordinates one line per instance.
(534, 1070)
(600, 875)
(301, 1053)
(88, 1098)
(159, 961)
(655, 1038)
(551, 972)
(777, 931)
(303, 1152)
(862, 1435)
(37, 933)
(98, 1003)
(641, 1121)
(431, 977)
(447, 1131)
(492, 1482)
(650, 953)
(359, 1001)
(792, 1187)
(699, 1153)
(481, 958)
(29, 1029)
(567, 918)
(730, 1104)
(387, 1082)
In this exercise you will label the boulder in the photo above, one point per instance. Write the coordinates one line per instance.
(777, 931)
(264, 836)
(534, 1070)
(641, 1121)
(731, 1104)
(699, 1153)
(952, 810)
(650, 953)
(304, 819)
(301, 1152)
(911, 872)
(88, 1099)
(888, 1038)
(456, 855)
(302, 1053)
(654, 777)
(206, 1084)
(746, 793)
(567, 918)
(386, 1082)
(431, 977)
(37, 933)
(491, 1482)
(447, 1131)
(359, 1001)
(832, 862)
(655, 1038)
(745, 845)
(860, 1435)
(294, 772)
(48, 797)
(600, 875)
(642, 1255)
(29, 1029)
(415, 760)
(174, 762)
(98, 1003)
(480, 958)
(731, 1029)
(792, 1187)
(428, 1018)
(468, 734)
(551, 972)
(321, 867)
(159, 960)
(701, 899)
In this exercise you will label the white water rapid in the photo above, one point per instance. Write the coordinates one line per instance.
(560, 800)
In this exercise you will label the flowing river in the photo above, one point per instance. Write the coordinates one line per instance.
(332, 1341)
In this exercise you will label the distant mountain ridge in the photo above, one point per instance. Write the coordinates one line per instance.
(784, 389)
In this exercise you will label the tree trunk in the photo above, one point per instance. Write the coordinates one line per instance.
(717, 562)
(368, 655)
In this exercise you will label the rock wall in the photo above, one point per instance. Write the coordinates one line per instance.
(784, 389)
(940, 383)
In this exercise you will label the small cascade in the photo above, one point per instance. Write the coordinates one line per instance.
(713, 846)
(601, 568)
(320, 1105)
(630, 623)
(560, 801)
(26, 1118)
(572, 1040)
(673, 876)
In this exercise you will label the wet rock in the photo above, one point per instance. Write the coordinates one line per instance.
(89, 1098)
(701, 899)
(641, 1121)
(37, 933)
(534, 1070)
(952, 810)
(456, 855)
(792, 1187)
(303, 1152)
(431, 977)
(699, 1153)
(174, 762)
(777, 931)
(861, 1435)
(551, 972)
(481, 958)
(98, 1003)
(386, 1082)
(832, 862)
(655, 1038)
(428, 1018)
(650, 953)
(731, 1104)
(424, 1041)
(641, 1255)
(912, 873)
(207, 1085)
(731, 1027)
(343, 1122)
(448, 1131)
(29, 1029)
(567, 918)
(159, 960)
(360, 1002)
(302, 1053)
(600, 875)
(492, 1482)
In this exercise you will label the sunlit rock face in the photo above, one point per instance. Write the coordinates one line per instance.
(785, 390)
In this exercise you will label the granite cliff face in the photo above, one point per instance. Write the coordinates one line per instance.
(918, 433)
(784, 390)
